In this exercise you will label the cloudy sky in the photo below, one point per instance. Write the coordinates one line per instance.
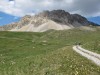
(19, 8)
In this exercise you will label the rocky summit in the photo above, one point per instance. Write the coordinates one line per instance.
(46, 20)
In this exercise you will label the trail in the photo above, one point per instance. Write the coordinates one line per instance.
(88, 54)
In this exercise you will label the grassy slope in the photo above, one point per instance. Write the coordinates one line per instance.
(48, 53)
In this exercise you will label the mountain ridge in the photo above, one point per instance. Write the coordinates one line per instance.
(39, 22)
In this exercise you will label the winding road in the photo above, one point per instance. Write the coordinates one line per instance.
(88, 54)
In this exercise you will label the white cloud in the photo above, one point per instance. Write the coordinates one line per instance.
(69, 1)
(22, 7)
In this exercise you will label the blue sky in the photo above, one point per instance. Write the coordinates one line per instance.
(7, 19)
(11, 10)
(95, 19)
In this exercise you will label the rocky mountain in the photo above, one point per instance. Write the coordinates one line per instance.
(46, 20)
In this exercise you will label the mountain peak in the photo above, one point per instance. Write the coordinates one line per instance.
(46, 20)
(47, 13)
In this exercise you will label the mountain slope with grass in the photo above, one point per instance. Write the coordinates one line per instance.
(47, 53)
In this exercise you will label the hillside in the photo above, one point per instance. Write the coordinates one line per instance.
(47, 20)
(47, 53)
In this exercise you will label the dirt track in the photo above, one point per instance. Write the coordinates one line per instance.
(88, 54)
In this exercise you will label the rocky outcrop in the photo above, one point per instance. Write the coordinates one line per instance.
(58, 16)
(61, 16)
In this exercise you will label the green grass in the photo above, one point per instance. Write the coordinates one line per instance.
(48, 53)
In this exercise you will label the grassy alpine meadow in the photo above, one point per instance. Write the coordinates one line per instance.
(47, 53)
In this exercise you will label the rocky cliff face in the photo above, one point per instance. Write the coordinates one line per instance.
(60, 17)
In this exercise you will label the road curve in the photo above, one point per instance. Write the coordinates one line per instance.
(88, 54)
